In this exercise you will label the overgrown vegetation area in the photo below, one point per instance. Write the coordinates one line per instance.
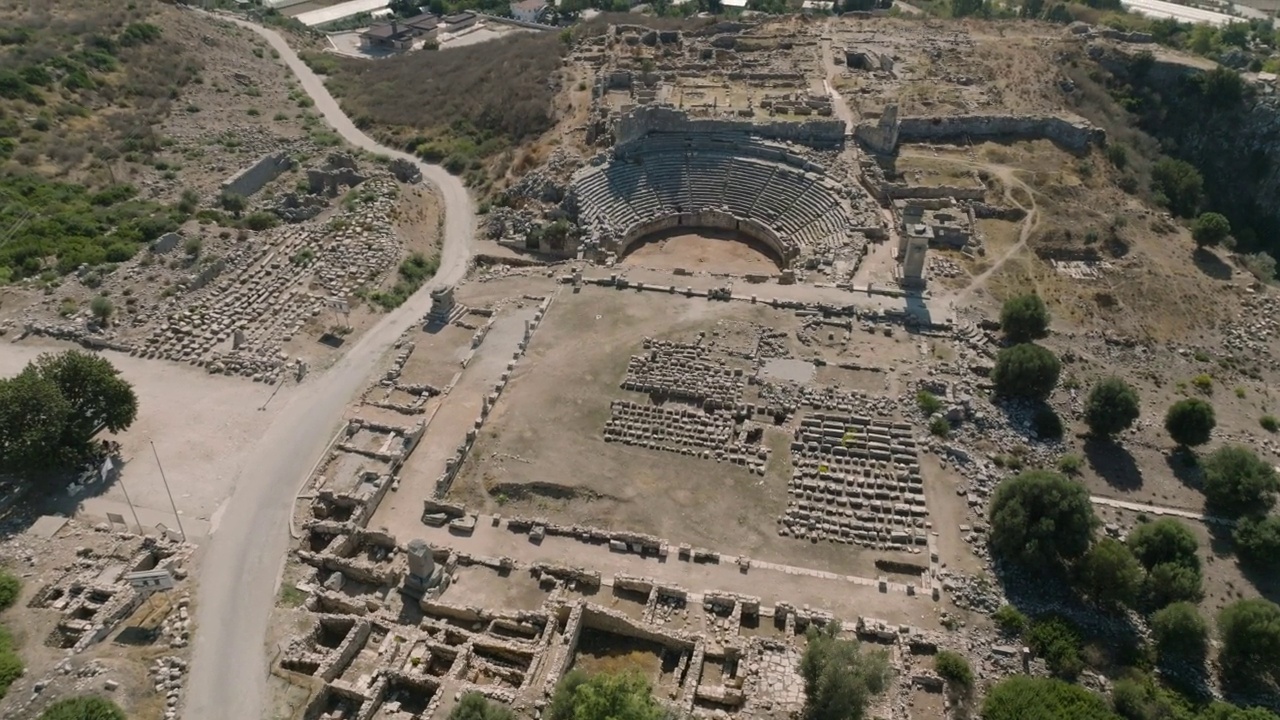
(457, 106)
(11, 665)
(412, 273)
(840, 678)
(1180, 138)
(81, 90)
(84, 707)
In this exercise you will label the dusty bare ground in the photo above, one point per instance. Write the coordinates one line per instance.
(701, 250)
(200, 425)
(542, 452)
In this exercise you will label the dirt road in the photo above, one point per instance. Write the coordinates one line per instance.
(237, 582)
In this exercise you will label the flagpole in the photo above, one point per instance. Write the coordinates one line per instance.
(131, 508)
(168, 492)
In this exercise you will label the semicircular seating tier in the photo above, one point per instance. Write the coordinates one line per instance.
(663, 174)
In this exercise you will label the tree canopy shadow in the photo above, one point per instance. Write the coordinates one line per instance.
(1210, 264)
(61, 492)
(1183, 465)
(1113, 463)
(1110, 642)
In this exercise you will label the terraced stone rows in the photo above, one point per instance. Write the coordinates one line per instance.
(687, 431)
(677, 372)
(856, 480)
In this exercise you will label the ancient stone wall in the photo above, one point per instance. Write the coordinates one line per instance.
(645, 119)
(894, 191)
(253, 178)
(1075, 135)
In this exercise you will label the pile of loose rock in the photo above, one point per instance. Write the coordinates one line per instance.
(168, 674)
(237, 325)
(176, 629)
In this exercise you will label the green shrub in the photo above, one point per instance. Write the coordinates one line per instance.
(1204, 383)
(1250, 631)
(10, 588)
(1112, 406)
(474, 706)
(1210, 229)
(261, 220)
(1022, 697)
(1011, 620)
(1238, 482)
(1165, 541)
(953, 668)
(939, 427)
(626, 696)
(839, 677)
(1269, 423)
(1070, 464)
(1057, 641)
(101, 308)
(86, 707)
(928, 402)
(1180, 184)
(1258, 541)
(1170, 582)
(1109, 575)
(11, 668)
(1180, 631)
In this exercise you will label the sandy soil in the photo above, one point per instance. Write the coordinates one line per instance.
(542, 453)
(201, 425)
(702, 249)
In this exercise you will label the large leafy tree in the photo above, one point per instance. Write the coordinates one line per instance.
(1238, 482)
(33, 419)
(1024, 318)
(622, 696)
(50, 411)
(839, 679)
(1026, 370)
(1041, 519)
(95, 390)
(1250, 631)
(1112, 406)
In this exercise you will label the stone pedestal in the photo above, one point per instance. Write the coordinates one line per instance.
(913, 261)
(442, 305)
(423, 573)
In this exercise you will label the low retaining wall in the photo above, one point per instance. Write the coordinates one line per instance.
(714, 219)
(253, 178)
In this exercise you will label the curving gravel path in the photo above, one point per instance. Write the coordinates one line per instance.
(243, 560)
